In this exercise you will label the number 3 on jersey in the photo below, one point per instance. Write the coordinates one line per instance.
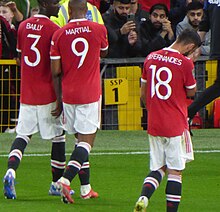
(35, 49)
(156, 76)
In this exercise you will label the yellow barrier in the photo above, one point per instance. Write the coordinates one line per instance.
(9, 95)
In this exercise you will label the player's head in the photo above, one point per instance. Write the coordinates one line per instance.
(49, 7)
(189, 40)
(77, 9)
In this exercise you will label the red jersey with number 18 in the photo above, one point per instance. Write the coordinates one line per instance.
(78, 46)
(34, 38)
(168, 74)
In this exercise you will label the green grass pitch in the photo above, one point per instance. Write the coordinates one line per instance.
(119, 163)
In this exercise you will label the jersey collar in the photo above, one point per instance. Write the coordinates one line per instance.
(40, 16)
(80, 19)
(170, 49)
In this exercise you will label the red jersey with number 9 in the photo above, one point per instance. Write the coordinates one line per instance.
(78, 45)
(34, 39)
(168, 74)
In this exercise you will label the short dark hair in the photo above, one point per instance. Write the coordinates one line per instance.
(159, 7)
(194, 5)
(188, 36)
(124, 1)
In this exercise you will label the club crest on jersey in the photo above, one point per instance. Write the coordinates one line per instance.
(36, 27)
(214, 2)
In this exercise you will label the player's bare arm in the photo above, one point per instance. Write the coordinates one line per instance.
(190, 92)
(143, 93)
(57, 75)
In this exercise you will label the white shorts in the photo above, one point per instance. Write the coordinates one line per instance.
(173, 152)
(38, 118)
(83, 119)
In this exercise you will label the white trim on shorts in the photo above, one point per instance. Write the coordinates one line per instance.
(174, 152)
(38, 118)
(84, 118)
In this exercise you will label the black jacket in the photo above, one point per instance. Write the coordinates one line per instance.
(212, 21)
(119, 46)
(151, 39)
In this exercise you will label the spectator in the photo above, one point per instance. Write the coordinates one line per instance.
(209, 22)
(140, 14)
(122, 32)
(177, 11)
(156, 32)
(192, 19)
(25, 6)
(34, 38)
(7, 51)
(166, 82)
(93, 14)
(74, 57)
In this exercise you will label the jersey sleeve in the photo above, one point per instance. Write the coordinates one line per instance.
(189, 80)
(54, 48)
(104, 41)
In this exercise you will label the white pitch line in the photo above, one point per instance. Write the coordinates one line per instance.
(113, 153)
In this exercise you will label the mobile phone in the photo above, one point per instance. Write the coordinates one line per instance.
(131, 17)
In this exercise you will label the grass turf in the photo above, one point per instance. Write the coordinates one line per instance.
(117, 178)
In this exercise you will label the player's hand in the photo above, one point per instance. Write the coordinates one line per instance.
(127, 27)
(58, 110)
(132, 37)
(195, 55)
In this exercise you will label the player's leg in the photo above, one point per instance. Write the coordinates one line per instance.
(77, 158)
(173, 190)
(84, 177)
(14, 159)
(58, 161)
(84, 120)
(27, 125)
(178, 151)
(154, 178)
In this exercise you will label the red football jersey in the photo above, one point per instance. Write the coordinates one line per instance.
(34, 39)
(168, 74)
(78, 45)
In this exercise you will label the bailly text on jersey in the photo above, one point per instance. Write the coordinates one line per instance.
(78, 30)
(36, 27)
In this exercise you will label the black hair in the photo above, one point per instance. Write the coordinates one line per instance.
(188, 36)
(194, 5)
(159, 7)
(124, 1)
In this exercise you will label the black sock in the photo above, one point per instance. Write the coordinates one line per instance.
(84, 173)
(58, 158)
(173, 192)
(151, 183)
(78, 157)
(17, 151)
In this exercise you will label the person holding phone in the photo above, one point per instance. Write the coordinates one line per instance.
(122, 31)
(156, 32)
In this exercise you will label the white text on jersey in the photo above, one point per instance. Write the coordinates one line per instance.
(78, 30)
(36, 27)
(165, 58)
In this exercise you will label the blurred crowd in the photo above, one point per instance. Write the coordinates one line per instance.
(135, 27)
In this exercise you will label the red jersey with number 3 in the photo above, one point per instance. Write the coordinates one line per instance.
(168, 74)
(34, 39)
(78, 45)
